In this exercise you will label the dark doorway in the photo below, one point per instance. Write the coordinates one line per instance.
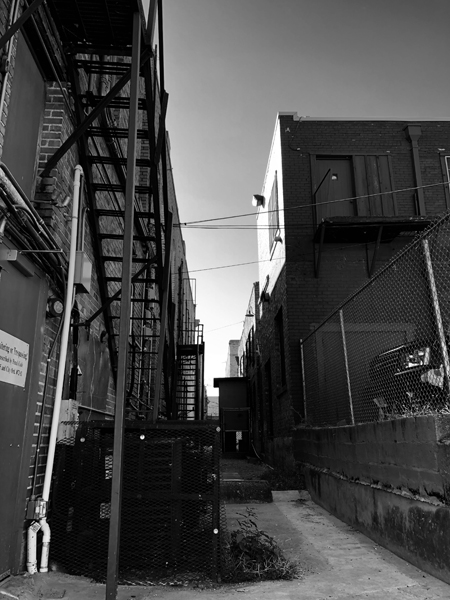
(337, 186)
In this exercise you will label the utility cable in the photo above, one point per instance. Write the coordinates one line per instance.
(409, 189)
(254, 262)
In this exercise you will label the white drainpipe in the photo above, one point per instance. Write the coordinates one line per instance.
(59, 388)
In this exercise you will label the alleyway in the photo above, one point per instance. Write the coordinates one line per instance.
(336, 563)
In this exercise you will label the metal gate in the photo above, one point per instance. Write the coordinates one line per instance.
(170, 518)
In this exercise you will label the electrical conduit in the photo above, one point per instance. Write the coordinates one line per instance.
(31, 560)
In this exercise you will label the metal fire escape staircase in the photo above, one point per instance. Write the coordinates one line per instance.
(104, 161)
(189, 389)
(120, 132)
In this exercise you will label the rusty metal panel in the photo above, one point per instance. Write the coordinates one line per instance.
(22, 312)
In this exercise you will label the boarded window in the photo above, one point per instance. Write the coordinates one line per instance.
(274, 221)
(373, 178)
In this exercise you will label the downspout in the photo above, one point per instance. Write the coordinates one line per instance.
(42, 524)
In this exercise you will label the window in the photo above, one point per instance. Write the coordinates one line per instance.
(249, 352)
(274, 222)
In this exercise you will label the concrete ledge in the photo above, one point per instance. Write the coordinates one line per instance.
(415, 530)
(243, 492)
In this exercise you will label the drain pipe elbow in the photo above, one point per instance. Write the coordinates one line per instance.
(45, 545)
(32, 547)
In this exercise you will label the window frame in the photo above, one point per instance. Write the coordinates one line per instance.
(273, 212)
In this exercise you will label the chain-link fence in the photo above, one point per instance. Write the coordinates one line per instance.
(171, 518)
(384, 352)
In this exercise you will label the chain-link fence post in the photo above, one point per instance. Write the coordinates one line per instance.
(437, 312)
(302, 359)
(347, 371)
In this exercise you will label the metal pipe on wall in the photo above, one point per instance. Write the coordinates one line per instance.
(42, 524)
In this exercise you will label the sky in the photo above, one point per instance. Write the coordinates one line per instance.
(232, 65)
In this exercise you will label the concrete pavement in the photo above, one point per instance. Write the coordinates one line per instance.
(336, 563)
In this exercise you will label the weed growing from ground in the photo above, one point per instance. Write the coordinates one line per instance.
(254, 555)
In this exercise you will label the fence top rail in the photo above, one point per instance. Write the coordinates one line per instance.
(437, 222)
(130, 425)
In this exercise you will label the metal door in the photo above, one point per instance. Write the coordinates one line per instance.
(333, 196)
(22, 313)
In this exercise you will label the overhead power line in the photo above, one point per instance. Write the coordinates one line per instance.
(254, 262)
(409, 189)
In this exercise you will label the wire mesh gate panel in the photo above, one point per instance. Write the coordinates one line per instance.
(170, 516)
(384, 353)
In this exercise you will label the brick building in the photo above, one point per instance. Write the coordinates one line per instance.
(340, 198)
(231, 365)
(66, 94)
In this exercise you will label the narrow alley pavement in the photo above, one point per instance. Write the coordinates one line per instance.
(336, 563)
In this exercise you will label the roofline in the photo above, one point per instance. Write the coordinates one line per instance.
(218, 380)
(295, 117)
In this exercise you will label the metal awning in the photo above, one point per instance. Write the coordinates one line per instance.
(365, 230)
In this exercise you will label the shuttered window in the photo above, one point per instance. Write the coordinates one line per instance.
(274, 221)
(373, 176)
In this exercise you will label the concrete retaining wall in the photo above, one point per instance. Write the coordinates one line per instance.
(390, 480)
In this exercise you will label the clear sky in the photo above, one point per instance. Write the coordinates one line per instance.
(232, 65)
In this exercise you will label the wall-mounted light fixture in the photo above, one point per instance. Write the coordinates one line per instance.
(55, 307)
(258, 200)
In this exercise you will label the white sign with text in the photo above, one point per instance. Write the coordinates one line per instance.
(14, 359)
